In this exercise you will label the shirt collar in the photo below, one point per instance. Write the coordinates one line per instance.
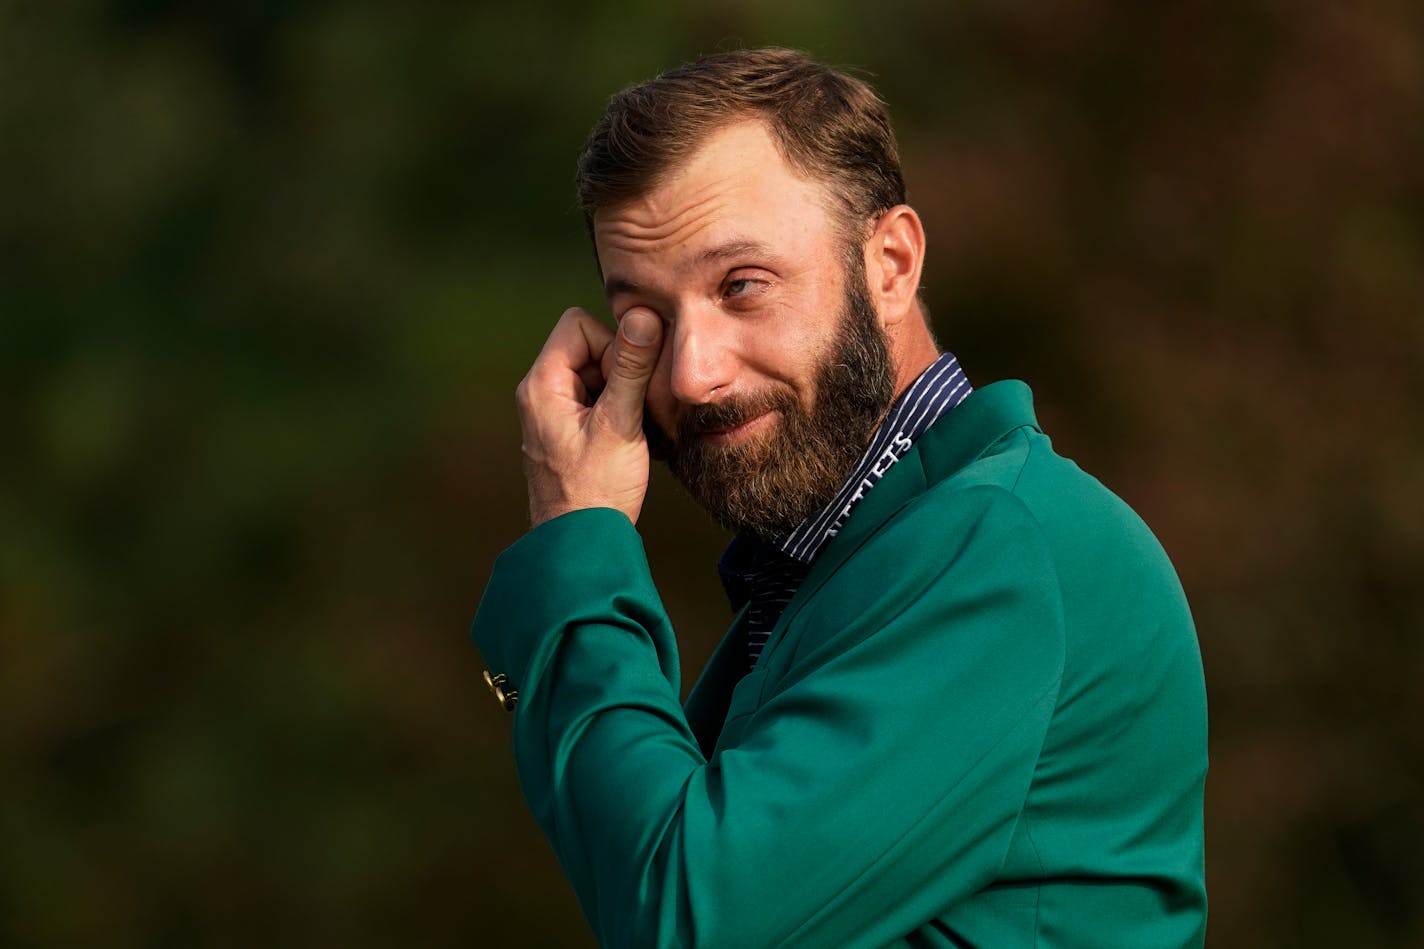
(934, 392)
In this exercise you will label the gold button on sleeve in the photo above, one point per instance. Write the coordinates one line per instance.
(499, 687)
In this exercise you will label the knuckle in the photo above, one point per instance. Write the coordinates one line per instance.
(601, 425)
(631, 362)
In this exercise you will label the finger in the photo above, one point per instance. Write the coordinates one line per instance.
(571, 356)
(635, 351)
(591, 377)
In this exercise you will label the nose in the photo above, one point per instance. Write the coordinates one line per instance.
(701, 355)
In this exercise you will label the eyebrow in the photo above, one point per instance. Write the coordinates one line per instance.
(734, 248)
(728, 250)
(616, 285)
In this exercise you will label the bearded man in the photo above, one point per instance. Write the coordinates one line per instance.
(961, 703)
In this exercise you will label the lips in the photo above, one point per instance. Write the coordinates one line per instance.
(726, 434)
(724, 417)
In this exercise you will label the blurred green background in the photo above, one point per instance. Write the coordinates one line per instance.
(270, 271)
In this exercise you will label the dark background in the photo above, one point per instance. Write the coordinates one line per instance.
(270, 271)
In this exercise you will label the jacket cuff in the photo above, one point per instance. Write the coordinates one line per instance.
(562, 569)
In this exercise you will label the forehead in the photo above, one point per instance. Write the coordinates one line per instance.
(735, 188)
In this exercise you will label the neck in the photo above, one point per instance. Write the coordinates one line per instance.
(911, 352)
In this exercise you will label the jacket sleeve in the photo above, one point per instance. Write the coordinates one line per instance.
(876, 781)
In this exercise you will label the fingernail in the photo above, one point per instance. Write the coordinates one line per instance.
(640, 327)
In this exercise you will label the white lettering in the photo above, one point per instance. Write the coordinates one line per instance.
(897, 448)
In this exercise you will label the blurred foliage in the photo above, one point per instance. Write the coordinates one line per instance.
(270, 270)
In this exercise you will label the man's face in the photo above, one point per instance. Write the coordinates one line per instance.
(774, 368)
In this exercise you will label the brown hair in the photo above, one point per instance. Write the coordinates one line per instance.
(829, 126)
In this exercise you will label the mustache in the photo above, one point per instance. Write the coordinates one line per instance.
(698, 420)
(729, 413)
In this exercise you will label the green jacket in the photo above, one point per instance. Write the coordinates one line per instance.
(980, 722)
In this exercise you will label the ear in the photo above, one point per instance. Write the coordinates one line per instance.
(894, 256)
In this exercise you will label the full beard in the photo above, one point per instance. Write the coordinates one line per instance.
(768, 485)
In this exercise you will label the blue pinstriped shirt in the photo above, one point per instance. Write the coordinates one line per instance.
(764, 577)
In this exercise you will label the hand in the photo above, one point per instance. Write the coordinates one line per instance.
(581, 411)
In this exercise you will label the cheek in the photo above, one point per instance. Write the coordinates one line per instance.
(791, 355)
(661, 406)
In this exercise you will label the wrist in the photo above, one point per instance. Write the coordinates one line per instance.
(543, 513)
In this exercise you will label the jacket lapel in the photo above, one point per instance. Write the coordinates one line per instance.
(901, 484)
(957, 439)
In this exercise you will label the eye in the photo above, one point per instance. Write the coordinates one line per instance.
(743, 287)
